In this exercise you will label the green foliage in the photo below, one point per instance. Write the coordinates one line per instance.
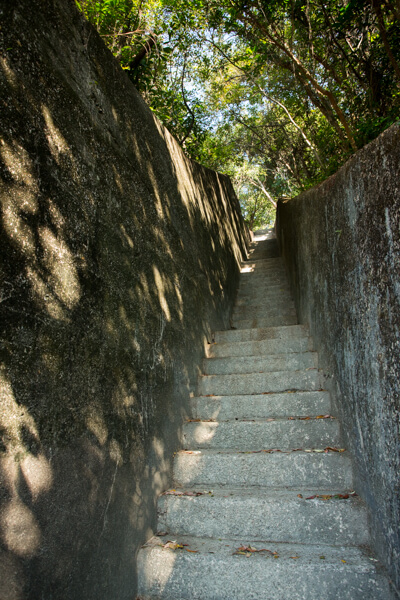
(277, 94)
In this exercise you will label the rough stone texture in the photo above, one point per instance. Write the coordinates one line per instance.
(289, 490)
(258, 435)
(301, 344)
(266, 333)
(341, 243)
(274, 515)
(260, 383)
(247, 469)
(293, 361)
(259, 406)
(119, 256)
(186, 575)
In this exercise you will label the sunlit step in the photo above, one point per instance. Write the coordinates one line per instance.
(206, 569)
(259, 383)
(332, 517)
(254, 348)
(259, 406)
(258, 334)
(301, 468)
(282, 433)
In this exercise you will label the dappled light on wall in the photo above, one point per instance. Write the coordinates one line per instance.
(120, 259)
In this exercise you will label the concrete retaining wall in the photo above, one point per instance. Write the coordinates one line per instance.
(341, 244)
(119, 257)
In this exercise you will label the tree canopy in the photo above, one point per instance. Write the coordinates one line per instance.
(276, 93)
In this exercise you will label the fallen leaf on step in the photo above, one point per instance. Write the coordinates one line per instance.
(173, 546)
(331, 496)
(187, 550)
(249, 550)
(343, 561)
(181, 493)
(300, 495)
(294, 557)
(324, 417)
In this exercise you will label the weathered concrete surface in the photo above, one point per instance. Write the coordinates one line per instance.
(266, 333)
(346, 573)
(291, 361)
(263, 469)
(257, 435)
(274, 515)
(341, 244)
(260, 383)
(119, 256)
(277, 346)
(259, 406)
(289, 490)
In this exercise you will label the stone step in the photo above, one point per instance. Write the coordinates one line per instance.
(281, 433)
(284, 307)
(264, 262)
(287, 332)
(263, 462)
(269, 346)
(260, 383)
(283, 310)
(208, 569)
(274, 515)
(250, 274)
(294, 361)
(291, 470)
(256, 278)
(248, 283)
(267, 297)
(256, 272)
(262, 266)
(251, 277)
(262, 323)
(261, 406)
(262, 280)
(265, 259)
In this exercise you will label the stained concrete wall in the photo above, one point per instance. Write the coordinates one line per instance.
(119, 257)
(341, 244)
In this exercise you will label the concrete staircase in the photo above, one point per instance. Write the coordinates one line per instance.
(263, 506)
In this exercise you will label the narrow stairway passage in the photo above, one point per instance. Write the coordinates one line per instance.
(263, 505)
